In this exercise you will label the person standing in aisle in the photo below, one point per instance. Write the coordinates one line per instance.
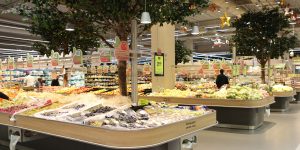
(221, 79)
(55, 81)
(29, 80)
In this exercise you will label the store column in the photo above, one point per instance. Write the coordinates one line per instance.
(189, 44)
(163, 39)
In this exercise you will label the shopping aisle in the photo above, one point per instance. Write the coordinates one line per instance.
(281, 131)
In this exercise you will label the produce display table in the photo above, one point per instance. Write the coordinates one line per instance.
(241, 114)
(108, 137)
(297, 96)
(282, 101)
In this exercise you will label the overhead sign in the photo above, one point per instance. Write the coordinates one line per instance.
(105, 54)
(54, 58)
(11, 63)
(77, 56)
(29, 60)
(159, 64)
(121, 50)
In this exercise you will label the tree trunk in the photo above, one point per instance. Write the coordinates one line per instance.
(263, 72)
(122, 65)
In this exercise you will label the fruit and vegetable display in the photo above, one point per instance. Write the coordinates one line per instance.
(234, 92)
(150, 116)
(89, 109)
(174, 93)
(281, 88)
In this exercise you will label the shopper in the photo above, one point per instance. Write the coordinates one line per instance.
(29, 80)
(39, 83)
(221, 79)
(55, 81)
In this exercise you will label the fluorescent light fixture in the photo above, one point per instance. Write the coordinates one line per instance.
(293, 23)
(237, 7)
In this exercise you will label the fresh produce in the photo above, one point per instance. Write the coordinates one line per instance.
(281, 88)
(174, 93)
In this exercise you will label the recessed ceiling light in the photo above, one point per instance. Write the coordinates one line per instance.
(226, 1)
(237, 7)
(257, 5)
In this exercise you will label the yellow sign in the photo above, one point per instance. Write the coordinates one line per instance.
(159, 64)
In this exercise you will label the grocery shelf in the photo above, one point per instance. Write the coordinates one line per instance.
(107, 137)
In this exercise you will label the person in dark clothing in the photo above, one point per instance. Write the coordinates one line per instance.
(55, 82)
(221, 79)
(3, 96)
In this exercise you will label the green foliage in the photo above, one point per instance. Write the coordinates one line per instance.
(94, 19)
(182, 54)
(49, 22)
(263, 34)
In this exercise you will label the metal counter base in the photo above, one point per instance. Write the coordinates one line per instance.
(240, 118)
(281, 104)
(233, 126)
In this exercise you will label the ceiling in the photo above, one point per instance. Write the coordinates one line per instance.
(16, 41)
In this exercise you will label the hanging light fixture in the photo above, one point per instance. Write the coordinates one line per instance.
(70, 27)
(145, 16)
(195, 30)
(292, 53)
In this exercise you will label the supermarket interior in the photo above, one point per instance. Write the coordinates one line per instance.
(150, 74)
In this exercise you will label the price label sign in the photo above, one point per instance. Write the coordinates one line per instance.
(159, 64)
(29, 60)
(11, 63)
(105, 55)
(77, 56)
(122, 50)
(54, 58)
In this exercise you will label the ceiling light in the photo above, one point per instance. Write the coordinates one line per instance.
(226, 1)
(195, 30)
(292, 53)
(257, 5)
(219, 10)
(145, 19)
(237, 7)
(293, 23)
(70, 27)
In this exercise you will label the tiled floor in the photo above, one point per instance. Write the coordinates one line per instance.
(281, 131)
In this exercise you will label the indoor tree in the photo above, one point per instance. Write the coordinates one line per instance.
(115, 16)
(48, 21)
(263, 34)
(182, 54)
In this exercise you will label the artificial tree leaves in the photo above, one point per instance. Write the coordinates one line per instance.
(263, 34)
(182, 54)
(95, 18)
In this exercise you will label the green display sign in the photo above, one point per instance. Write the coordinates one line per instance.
(159, 64)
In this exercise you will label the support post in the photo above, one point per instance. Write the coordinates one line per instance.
(134, 62)
(163, 38)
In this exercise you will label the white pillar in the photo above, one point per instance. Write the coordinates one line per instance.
(162, 37)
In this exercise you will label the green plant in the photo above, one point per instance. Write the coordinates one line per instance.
(263, 34)
(182, 54)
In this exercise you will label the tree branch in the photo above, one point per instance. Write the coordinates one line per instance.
(104, 40)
